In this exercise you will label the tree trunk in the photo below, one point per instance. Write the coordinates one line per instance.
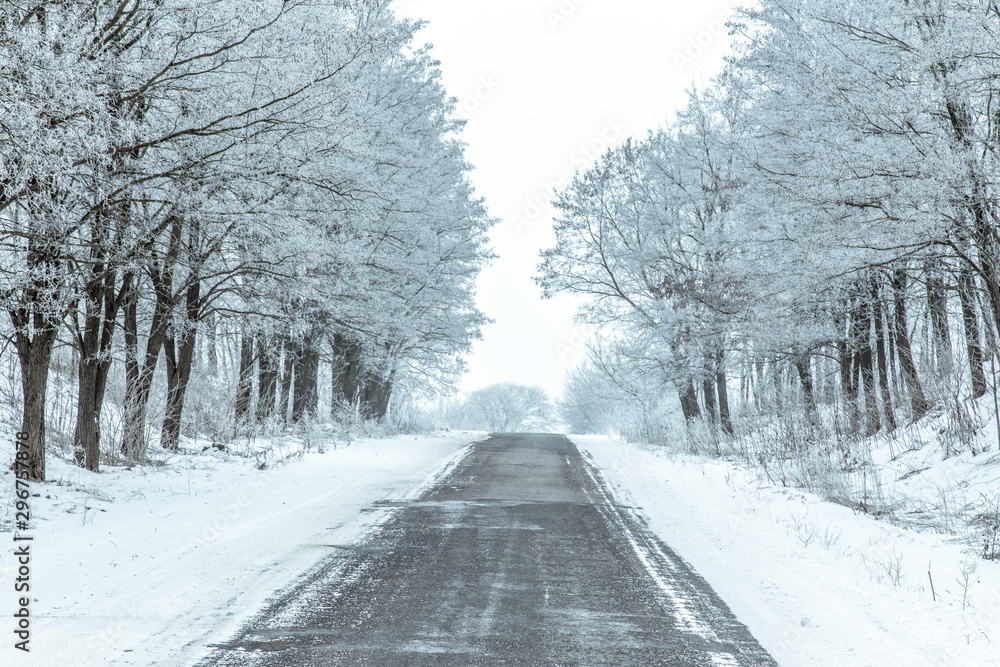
(287, 371)
(890, 335)
(988, 332)
(384, 395)
(885, 390)
(98, 293)
(179, 362)
(34, 337)
(745, 381)
(759, 386)
(865, 362)
(374, 400)
(306, 397)
(178, 377)
(723, 393)
(338, 372)
(244, 386)
(93, 381)
(267, 379)
(209, 343)
(689, 401)
(848, 387)
(139, 371)
(346, 382)
(131, 419)
(970, 322)
(937, 306)
(349, 371)
(86, 435)
(919, 405)
(708, 391)
(777, 386)
(848, 368)
(170, 441)
(829, 378)
(369, 397)
(138, 390)
(102, 306)
(803, 366)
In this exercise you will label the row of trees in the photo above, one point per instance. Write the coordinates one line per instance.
(285, 170)
(827, 211)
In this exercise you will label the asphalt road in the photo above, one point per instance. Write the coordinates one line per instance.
(520, 556)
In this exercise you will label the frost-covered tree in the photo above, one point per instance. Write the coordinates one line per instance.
(844, 160)
(647, 235)
(387, 255)
(872, 149)
(619, 389)
(64, 124)
(508, 408)
(165, 161)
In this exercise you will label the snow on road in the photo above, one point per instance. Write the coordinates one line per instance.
(520, 557)
(817, 584)
(149, 566)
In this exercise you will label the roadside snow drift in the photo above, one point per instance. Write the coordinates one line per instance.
(817, 584)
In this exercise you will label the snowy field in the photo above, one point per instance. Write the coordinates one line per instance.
(816, 583)
(147, 566)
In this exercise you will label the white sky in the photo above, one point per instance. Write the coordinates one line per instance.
(547, 86)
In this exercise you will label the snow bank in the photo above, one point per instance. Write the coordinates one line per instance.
(148, 566)
(816, 583)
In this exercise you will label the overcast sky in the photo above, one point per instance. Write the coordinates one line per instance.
(547, 86)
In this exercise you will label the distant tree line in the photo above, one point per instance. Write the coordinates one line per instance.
(505, 407)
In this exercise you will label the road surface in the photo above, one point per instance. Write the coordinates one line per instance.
(519, 556)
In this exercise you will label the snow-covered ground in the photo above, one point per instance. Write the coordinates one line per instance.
(817, 583)
(148, 566)
(151, 565)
